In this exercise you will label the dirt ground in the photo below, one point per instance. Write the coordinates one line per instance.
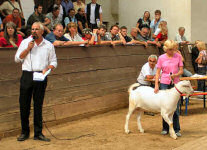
(107, 133)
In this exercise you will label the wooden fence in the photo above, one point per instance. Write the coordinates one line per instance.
(86, 82)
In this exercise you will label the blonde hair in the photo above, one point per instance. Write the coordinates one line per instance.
(163, 27)
(201, 45)
(72, 24)
(169, 44)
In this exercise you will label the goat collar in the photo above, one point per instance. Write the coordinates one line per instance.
(178, 90)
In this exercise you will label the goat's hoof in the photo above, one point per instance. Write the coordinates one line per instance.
(127, 131)
(174, 136)
(142, 131)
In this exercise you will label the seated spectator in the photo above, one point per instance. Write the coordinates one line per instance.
(53, 17)
(78, 4)
(163, 24)
(144, 36)
(144, 22)
(73, 36)
(67, 5)
(128, 39)
(180, 37)
(194, 54)
(155, 22)
(56, 37)
(89, 36)
(11, 38)
(101, 36)
(201, 67)
(14, 17)
(7, 8)
(115, 35)
(148, 70)
(82, 23)
(57, 3)
(71, 17)
(37, 16)
(93, 13)
(162, 36)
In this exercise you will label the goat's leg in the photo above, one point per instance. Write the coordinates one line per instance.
(131, 109)
(140, 112)
(168, 119)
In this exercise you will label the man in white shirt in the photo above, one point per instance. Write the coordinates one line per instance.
(36, 55)
(180, 37)
(93, 13)
(148, 70)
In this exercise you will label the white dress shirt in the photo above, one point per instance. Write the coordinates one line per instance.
(146, 70)
(92, 17)
(179, 38)
(40, 57)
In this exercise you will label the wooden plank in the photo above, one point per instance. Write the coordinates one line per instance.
(65, 95)
(85, 106)
(10, 88)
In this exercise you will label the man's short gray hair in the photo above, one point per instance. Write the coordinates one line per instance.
(40, 25)
(181, 28)
(152, 56)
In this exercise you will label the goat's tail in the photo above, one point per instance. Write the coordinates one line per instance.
(131, 88)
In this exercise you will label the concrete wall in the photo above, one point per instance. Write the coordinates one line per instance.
(176, 12)
(198, 20)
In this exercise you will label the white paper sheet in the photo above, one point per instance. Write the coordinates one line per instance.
(40, 76)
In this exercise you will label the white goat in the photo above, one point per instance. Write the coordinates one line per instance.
(165, 101)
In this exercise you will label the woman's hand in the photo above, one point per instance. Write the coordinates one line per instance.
(156, 90)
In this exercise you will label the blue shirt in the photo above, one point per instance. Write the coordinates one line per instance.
(67, 6)
(52, 38)
(67, 20)
(154, 26)
(0, 21)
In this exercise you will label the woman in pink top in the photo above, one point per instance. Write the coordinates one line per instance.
(171, 66)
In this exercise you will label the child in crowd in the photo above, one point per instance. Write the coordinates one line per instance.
(162, 36)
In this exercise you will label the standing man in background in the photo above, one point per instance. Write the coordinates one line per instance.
(36, 55)
(93, 14)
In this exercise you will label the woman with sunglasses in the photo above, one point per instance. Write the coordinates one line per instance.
(171, 66)
(11, 38)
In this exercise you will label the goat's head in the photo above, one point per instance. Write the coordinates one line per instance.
(185, 87)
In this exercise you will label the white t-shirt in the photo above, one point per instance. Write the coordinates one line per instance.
(146, 70)
(76, 38)
(157, 31)
(92, 17)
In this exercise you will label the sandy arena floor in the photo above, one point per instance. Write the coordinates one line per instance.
(108, 133)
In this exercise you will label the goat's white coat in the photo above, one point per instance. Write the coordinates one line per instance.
(165, 101)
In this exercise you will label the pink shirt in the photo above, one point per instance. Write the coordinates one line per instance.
(169, 65)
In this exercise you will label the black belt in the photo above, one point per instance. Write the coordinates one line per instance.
(30, 71)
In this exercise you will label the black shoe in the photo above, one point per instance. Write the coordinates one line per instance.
(23, 137)
(41, 137)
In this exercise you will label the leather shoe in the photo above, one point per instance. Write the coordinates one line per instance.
(41, 137)
(23, 137)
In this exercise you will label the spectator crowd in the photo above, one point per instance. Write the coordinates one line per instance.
(76, 23)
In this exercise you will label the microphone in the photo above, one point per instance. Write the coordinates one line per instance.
(34, 38)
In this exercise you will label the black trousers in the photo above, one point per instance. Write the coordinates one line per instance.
(29, 89)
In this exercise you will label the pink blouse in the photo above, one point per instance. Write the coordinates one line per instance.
(169, 65)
